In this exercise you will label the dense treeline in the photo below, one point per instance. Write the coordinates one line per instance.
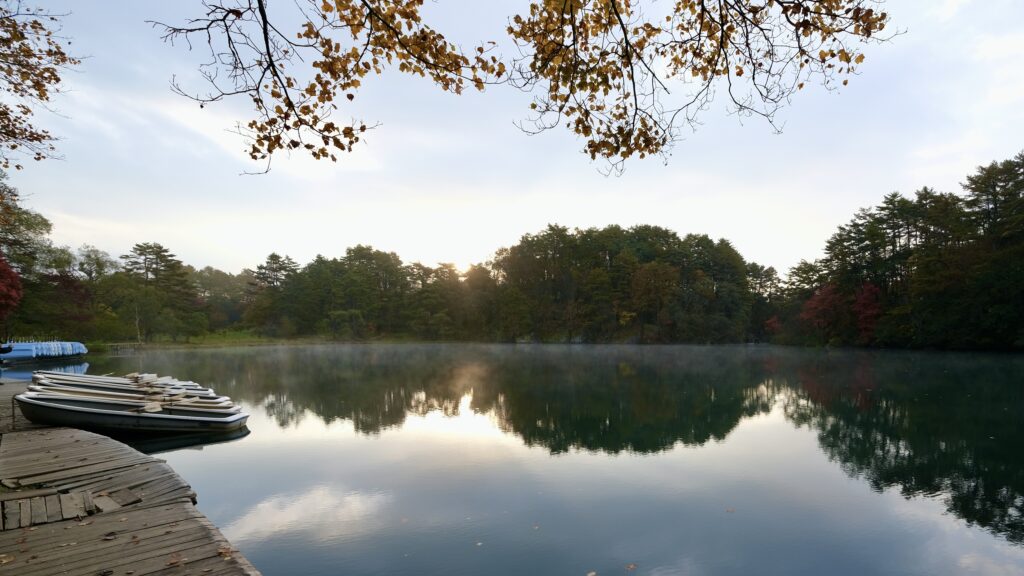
(936, 270)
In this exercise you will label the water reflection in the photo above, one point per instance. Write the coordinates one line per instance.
(944, 426)
(24, 371)
(158, 443)
(323, 513)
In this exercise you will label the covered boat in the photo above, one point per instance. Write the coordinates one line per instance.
(18, 352)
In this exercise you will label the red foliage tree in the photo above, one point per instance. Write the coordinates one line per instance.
(867, 308)
(825, 311)
(10, 289)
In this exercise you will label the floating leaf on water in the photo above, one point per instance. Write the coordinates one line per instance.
(730, 510)
(631, 566)
(592, 573)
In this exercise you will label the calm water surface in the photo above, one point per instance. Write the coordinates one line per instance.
(520, 460)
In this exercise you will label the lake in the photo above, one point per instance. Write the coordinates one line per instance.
(618, 460)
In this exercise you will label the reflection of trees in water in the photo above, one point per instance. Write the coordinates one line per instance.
(941, 425)
(373, 387)
(617, 402)
(927, 425)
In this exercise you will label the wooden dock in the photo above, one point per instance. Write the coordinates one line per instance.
(75, 502)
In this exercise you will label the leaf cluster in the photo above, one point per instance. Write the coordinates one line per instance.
(32, 57)
(608, 70)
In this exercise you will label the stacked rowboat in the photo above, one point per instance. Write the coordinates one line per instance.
(137, 402)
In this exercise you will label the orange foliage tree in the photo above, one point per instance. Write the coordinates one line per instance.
(624, 75)
(31, 59)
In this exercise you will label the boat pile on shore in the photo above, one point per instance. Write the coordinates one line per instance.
(134, 402)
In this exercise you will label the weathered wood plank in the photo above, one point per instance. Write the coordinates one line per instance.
(64, 474)
(53, 508)
(12, 514)
(4, 496)
(105, 503)
(125, 497)
(25, 513)
(106, 550)
(90, 506)
(72, 505)
(62, 460)
(38, 505)
(161, 520)
(163, 548)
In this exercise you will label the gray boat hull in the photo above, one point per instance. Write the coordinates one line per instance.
(42, 412)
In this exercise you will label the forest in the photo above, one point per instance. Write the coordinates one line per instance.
(936, 270)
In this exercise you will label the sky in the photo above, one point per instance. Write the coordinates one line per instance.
(447, 178)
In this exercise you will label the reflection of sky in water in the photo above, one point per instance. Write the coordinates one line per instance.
(419, 499)
(460, 494)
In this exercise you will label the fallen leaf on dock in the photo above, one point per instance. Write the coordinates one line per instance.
(110, 536)
(6, 559)
(225, 551)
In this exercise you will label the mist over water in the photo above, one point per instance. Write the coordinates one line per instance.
(472, 459)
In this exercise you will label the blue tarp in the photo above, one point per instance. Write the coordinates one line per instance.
(27, 351)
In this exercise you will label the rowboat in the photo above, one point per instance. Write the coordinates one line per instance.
(134, 402)
(218, 402)
(155, 394)
(122, 385)
(105, 413)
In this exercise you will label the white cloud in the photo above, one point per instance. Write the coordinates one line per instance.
(978, 564)
(945, 10)
(323, 513)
